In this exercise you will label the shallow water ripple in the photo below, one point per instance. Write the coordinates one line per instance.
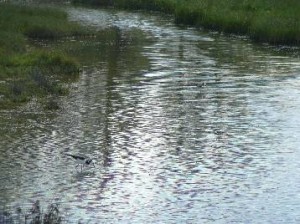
(206, 134)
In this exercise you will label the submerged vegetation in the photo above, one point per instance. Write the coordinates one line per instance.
(27, 71)
(35, 215)
(272, 21)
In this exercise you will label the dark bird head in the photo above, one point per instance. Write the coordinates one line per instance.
(89, 161)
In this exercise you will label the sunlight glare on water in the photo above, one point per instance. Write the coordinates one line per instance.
(206, 132)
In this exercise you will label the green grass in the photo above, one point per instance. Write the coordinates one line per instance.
(27, 71)
(272, 21)
(35, 74)
(36, 22)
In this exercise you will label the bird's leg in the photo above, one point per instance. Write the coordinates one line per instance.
(76, 167)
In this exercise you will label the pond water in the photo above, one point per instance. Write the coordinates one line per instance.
(186, 126)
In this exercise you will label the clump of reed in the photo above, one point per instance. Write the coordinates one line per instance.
(35, 215)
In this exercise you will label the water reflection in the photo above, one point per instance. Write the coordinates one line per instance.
(186, 126)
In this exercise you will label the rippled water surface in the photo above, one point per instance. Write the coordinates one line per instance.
(186, 127)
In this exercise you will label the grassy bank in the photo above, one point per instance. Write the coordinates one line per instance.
(272, 21)
(26, 71)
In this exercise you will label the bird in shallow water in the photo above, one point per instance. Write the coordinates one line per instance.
(81, 160)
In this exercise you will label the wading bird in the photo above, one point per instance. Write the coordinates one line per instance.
(81, 160)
